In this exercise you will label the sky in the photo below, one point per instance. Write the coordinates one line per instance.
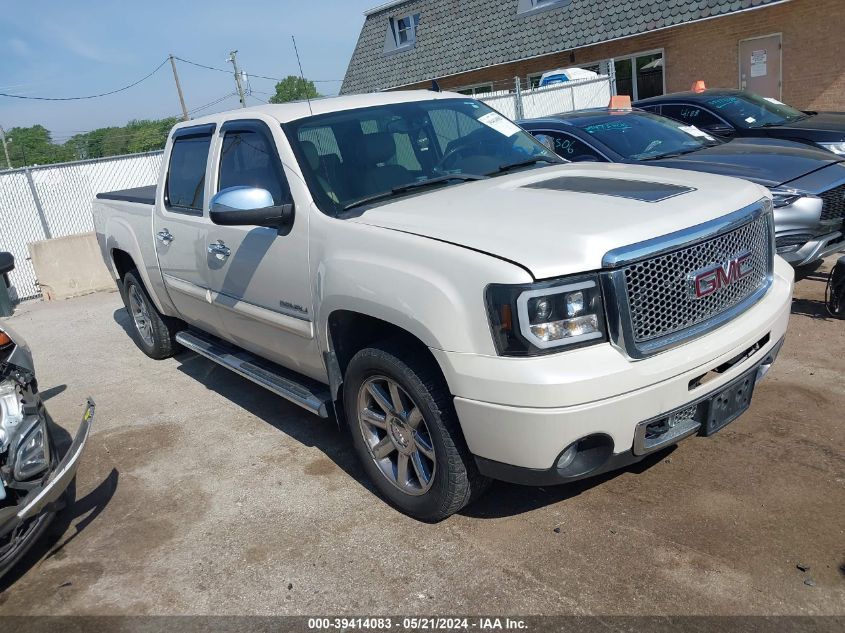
(63, 48)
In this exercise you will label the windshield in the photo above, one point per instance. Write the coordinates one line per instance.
(353, 156)
(643, 136)
(747, 110)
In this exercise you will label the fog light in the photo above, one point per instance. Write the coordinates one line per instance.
(567, 456)
(33, 453)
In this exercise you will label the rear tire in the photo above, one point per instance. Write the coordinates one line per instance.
(153, 333)
(406, 433)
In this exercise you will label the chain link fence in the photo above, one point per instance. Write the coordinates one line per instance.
(38, 203)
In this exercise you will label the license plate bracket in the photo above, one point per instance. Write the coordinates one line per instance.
(729, 403)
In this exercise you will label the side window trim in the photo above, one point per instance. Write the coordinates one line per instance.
(193, 131)
(259, 127)
(572, 136)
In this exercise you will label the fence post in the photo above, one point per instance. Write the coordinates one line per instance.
(611, 71)
(520, 113)
(47, 234)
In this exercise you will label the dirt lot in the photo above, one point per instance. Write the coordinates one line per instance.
(200, 493)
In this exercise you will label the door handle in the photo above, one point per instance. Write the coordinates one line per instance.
(219, 249)
(164, 236)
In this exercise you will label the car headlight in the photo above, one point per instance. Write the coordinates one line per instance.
(32, 455)
(546, 317)
(837, 147)
(784, 196)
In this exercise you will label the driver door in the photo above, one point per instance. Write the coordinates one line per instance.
(259, 276)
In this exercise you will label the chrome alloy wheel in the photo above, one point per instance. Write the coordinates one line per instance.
(396, 435)
(140, 314)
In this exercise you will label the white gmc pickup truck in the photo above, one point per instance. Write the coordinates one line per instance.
(469, 305)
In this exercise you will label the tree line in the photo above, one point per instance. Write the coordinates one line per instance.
(34, 145)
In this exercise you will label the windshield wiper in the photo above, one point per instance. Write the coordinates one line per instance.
(410, 187)
(670, 154)
(525, 163)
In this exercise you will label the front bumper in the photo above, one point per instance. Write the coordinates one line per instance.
(54, 485)
(524, 412)
(815, 249)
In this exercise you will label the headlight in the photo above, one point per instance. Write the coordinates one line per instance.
(546, 317)
(784, 196)
(33, 453)
(836, 148)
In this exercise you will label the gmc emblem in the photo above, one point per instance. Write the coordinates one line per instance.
(705, 281)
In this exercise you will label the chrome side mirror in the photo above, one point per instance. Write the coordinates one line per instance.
(249, 206)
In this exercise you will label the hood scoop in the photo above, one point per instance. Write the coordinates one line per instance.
(621, 188)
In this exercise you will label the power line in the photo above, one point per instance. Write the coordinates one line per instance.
(229, 72)
(103, 94)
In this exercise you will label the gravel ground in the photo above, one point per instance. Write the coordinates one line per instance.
(200, 493)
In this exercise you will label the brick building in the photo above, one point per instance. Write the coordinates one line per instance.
(787, 49)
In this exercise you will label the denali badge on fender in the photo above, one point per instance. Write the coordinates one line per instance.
(705, 281)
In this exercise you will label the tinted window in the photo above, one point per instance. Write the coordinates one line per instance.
(643, 136)
(567, 146)
(694, 115)
(186, 174)
(249, 159)
(748, 110)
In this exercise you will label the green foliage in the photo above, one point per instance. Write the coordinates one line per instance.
(293, 88)
(34, 145)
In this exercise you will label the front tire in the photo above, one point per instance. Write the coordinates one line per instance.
(153, 333)
(406, 433)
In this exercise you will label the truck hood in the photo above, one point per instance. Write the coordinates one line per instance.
(562, 219)
(768, 162)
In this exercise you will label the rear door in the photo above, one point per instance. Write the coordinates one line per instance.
(181, 223)
(259, 276)
(760, 65)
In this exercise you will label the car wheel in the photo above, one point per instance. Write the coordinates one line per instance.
(154, 333)
(406, 433)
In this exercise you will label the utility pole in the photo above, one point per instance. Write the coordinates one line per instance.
(234, 61)
(5, 149)
(185, 116)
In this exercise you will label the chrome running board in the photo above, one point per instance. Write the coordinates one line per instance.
(300, 390)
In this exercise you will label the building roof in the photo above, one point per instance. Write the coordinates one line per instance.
(455, 36)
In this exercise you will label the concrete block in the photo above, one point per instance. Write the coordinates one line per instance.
(69, 266)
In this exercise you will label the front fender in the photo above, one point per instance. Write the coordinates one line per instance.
(431, 289)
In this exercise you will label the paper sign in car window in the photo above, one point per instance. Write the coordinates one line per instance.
(775, 101)
(750, 119)
(694, 131)
(499, 123)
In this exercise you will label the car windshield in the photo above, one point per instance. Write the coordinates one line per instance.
(644, 136)
(352, 157)
(747, 110)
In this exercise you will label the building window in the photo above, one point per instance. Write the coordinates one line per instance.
(640, 76)
(474, 91)
(402, 33)
(532, 6)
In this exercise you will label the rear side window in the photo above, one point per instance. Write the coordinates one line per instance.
(250, 159)
(184, 190)
(692, 115)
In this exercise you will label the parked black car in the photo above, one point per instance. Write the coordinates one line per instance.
(807, 183)
(745, 114)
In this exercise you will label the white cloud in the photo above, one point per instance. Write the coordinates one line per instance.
(74, 44)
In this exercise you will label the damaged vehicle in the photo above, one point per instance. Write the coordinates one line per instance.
(37, 467)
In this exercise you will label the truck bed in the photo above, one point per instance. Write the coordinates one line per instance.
(144, 195)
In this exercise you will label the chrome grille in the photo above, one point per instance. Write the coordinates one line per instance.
(648, 285)
(833, 204)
